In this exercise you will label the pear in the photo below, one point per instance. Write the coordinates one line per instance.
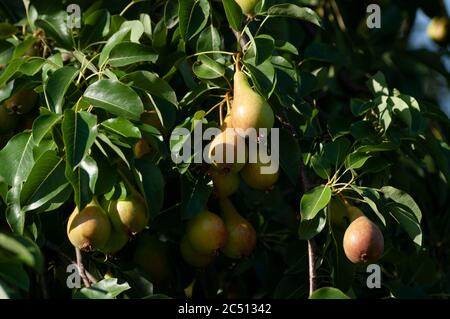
(252, 175)
(241, 234)
(152, 257)
(247, 6)
(89, 228)
(21, 102)
(225, 184)
(224, 152)
(438, 30)
(141, 148)
(339, 212)
(151, 117)
(117, 240)
(363, 241)
(206, 232)
(192, 257)
(130, 214)
(250, 110)
(8, 120)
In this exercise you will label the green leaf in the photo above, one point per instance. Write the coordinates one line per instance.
(114, 40)
(360, 107)
(310, 228)
(57, 85)
(17, 159)
(403, 198)
(7, 30)
(11, 68)
(234, 14)
(293, 11)
(122, 127)
(21, 249)
(328, 293)
(401, 109)
(209, 40)
(79, 133)
(46, 181)
(193, 15)
(194, 195)
(314, 201)
(264, 45)
(129, 53)
(378, 85)
(403, 215)
(90, 167)
(105, 289)
(43, 125)
(153, 184)
(356, 160)
(55, 26)
(14, 274)
(263, 76)
(207, 68)
(116, 98)
(336, 151)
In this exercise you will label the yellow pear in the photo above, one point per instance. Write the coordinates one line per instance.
(130, 214)
(225, 184)
(247, 6)
(241, 234)
(228, 151)
(117, 240)
(89, 229)
(192, 257)
(250, 110)
(438, 29)
(255, 178)
(206, 232)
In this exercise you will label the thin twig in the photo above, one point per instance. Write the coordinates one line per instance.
(81, 270)
(312, 266)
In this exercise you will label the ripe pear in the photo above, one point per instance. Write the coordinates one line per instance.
(21, 102)
(225, 184)
(141, 148)
(8, 120)
(363, 241)
(438, 30)
(206, 232)
(250, 110)
(130, 214)
(241, 234)
(89, 228)
(247, 6)
(192, 257)
(117, 240)
(228, 151)
(152, 257)
(255, 178)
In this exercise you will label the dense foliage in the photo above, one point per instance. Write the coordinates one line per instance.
(86, 117)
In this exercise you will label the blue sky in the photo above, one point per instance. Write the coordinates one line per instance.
(419, 39)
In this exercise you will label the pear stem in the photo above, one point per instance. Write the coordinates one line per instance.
(80, 266)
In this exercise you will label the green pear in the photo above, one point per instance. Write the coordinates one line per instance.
(206, 232)
(241, 234)
(250, 110)
(117, 240)
(130, 214)
(90, 228)
(247, 6)
(192, 257)
(255, 178)
(224, 151)
(21, 102)
(225, 184)
(8, 120)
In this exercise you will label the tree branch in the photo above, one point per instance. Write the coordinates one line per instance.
(312, 266)
(81, 269)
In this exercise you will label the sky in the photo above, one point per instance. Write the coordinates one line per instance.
(419, 39)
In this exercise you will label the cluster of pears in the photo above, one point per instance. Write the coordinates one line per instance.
(438, 30)
(207, 233)
(363, 241)
(248, 111)
(107, 225)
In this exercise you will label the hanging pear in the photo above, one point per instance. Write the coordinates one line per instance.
(250, 110)
(117, 240)
(192, 257)
(206, 232)
(247, 6)
(89, 229)
(225, 184)
(255, 178)
(130, 214)
(241, 234)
